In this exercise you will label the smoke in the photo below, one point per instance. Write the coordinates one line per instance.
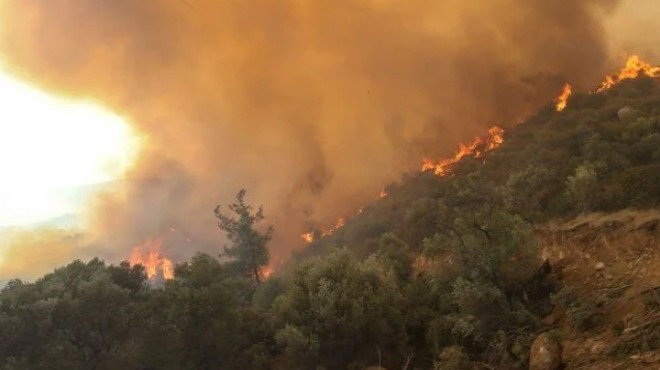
(310, 105)
(633, 28)
(38, 251)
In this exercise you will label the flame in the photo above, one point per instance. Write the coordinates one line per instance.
(267, 272)
(481, 145)
(427, 164)
(633, 68)
(307, 237)
(340, 223)
(562, 100)
(382, 195)
(168, 268)
(149, 255)
(476, 149)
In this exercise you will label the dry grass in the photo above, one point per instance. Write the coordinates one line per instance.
(633, 218)
(615, 259)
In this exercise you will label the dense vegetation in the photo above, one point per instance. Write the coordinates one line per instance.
(442, 273)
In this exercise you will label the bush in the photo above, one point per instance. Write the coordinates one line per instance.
(452, 358)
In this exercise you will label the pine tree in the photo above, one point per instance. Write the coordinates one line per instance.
(247, 245)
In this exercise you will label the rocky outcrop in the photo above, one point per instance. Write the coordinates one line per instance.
(545, 353)
(627, 114)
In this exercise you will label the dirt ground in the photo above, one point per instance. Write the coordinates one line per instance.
(613, 261)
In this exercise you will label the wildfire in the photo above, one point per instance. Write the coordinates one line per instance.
(149, 255)
(307, 237)
(483, 144)
(340, 223)
(382, 194)
(633, 68)
(266, 272)
(476, 149)
(310, 236)
(562, 100)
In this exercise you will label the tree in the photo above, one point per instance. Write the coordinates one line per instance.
(198, 321)
(395, 255)
(582, 185)
(337, 311)
(248, 246)
(525, 190)
(78, 317)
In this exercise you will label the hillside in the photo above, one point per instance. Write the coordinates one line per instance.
(602, 153)
(607, 313)
(474, 269)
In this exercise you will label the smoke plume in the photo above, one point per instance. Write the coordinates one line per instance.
(310, 105)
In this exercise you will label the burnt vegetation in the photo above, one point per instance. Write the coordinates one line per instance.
(443, 273)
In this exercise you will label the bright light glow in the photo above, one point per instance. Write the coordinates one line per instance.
(50, 146)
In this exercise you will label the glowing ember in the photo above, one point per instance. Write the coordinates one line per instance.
(634, 67)
(562, 100)
(476, 149)
(149, 255)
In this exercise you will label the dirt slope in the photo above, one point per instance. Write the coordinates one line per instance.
(612, 263)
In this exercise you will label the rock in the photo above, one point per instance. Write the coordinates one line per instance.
(627, 114)
(600, 266)
(545, 353)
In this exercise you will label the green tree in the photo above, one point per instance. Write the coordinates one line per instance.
(198, 322)
(81, 316)
(395, 255)
(581, 186)
(338, 311)
(248, 246)
(525, 190)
